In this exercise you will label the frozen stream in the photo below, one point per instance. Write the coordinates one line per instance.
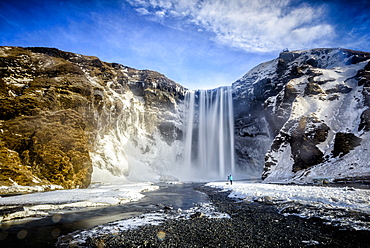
(59, 213)
(43, 232)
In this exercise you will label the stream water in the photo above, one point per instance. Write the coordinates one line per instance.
(44, 232)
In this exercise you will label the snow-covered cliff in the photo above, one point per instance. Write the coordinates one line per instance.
(305, 116)
(65, 118)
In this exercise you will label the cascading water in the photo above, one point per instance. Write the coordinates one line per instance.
(209, 133)
(137, 141)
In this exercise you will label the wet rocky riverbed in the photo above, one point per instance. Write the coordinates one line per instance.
(252, 224)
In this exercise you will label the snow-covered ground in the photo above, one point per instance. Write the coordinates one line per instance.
(343, 206)
(46, 203)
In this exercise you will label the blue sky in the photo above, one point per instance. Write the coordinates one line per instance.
(197, 43)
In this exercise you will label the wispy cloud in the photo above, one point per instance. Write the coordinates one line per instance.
(254, 26)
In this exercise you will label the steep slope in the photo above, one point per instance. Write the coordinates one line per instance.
(305, 116)
(61, 113)
(66, 118)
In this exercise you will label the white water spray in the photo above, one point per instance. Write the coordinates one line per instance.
(209, 133)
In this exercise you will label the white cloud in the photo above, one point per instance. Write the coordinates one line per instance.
(255, 25)
(160, 14)
(142, 11)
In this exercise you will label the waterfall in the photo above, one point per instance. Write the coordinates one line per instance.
(137, 141)
(209, 133)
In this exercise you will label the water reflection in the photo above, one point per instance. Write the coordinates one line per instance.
(44, 232)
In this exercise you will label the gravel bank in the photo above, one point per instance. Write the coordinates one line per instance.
(251, 225)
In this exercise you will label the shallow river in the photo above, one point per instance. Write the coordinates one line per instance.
(44, 232)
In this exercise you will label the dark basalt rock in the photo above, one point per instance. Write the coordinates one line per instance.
(339, 89)
(358, 57)
(277, 90)
(169, 132)
(344, 142)
(282, 108)
(365, 121)
(303, 143)
(302, 135)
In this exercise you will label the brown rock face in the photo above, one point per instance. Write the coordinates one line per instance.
(312, 89)
(12, 170)
(52, 145)
(51, 105)
(43, 138)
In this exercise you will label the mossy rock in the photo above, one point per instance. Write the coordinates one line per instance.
(13, 171)
(53, 145)
(23, 105)
(313, 89)
(290, 93)
(53, 102)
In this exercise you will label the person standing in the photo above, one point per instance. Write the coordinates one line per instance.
(231, 179)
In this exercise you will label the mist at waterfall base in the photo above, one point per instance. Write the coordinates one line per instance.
(206, 151)
(209, 134)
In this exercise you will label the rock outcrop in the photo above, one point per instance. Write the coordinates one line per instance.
(67, 119)
(305, 115)
(59, 109)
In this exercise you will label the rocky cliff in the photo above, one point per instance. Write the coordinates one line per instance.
(61, 113)
(305, 116)
(67, 119)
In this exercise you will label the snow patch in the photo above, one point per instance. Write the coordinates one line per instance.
(328, 203)
(46, 203)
